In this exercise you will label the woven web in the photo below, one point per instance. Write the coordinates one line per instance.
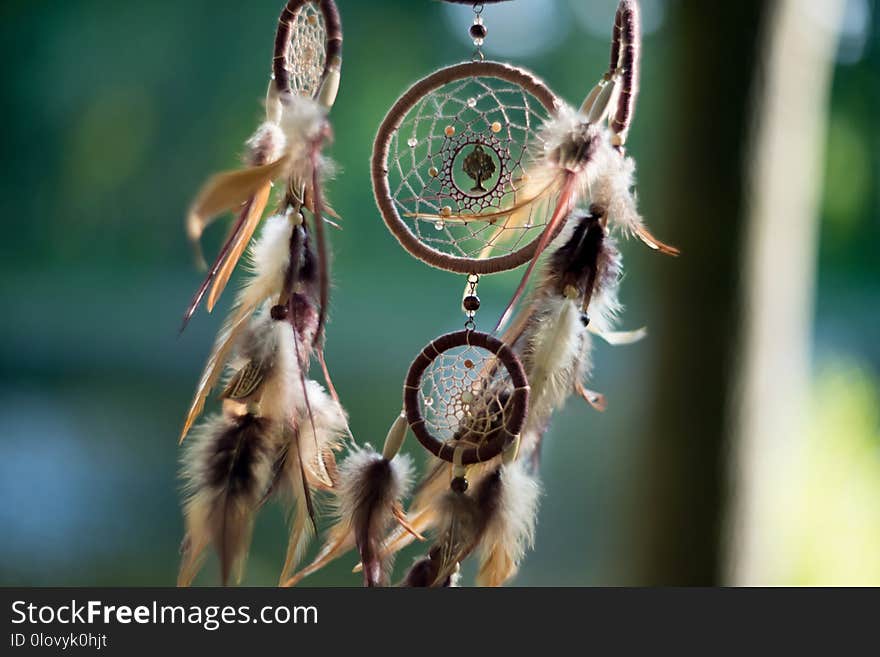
(433, 193)
(465, 395)
(306, 53)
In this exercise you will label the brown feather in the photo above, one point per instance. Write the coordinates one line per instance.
(564, 205)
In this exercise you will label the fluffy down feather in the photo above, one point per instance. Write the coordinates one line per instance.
(226, 470)
(269, 258)
(511, 529)
(370, 487)
(605, 177)
(367, 498)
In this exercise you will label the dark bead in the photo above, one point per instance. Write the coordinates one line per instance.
(585, 319)
(459, 484)
(478, 31)
(471, 303)
(278, 313)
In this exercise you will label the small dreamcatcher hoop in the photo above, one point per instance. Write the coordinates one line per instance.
(308, 46)
(450, 167)
(465, 397)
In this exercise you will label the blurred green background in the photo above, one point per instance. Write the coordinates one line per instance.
(117, 111)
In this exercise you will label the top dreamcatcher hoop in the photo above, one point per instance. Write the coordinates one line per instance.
(451, 165)
(308, 47)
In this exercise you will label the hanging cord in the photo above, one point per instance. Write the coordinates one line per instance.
(478, 32)
(470, 303)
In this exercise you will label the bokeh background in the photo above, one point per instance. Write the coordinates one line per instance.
(742, 440)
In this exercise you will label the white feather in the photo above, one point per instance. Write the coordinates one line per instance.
(267, 144)
(284, 387)
(268, 258)
(351, 480)
(303, 121)
(556, 340)
(324, 430)
(609, 176)
(511, 530)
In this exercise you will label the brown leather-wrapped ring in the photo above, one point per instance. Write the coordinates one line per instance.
(379, 166)
(332, 40)
(515, 410)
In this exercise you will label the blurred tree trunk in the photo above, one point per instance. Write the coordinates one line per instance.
(716, 50)
(780, 275)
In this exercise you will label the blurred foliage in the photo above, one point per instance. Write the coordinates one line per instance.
(829, 514)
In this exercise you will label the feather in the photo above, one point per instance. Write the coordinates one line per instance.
(253, 212)
(226, 469)
(367, 500)
(564, 204)
(321, 437)
(461, 524)
(464, 519)
(265, 146)
(510, 531)
(425, 573)
(227, 191)
(302, 525)
(577, 292)
(581, 158)
(269, 259)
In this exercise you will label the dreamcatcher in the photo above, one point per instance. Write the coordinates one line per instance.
(477, 169)
(278, 429)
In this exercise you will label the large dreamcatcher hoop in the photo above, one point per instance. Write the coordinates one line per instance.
(465, 397)
(450, 167)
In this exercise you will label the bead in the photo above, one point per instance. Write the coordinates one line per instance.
(478, 31)
(433, 172)
(471, 102)
(312, 19)
(478, 42)
(278, 313)
(469, 364)
(459, 484)
(585, 319)
(471, 302)
(439, 224)
(496, 126)
(450, 130)
(446, 210)
(411, 142)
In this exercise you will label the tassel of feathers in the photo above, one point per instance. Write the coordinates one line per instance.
(283, 148)
(498, 518)
(577, 296)
(582, 158)
(266, 354)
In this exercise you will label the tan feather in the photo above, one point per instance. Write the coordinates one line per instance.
(301, 527)
(214, 368)
(255, 213)
(227, 191)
